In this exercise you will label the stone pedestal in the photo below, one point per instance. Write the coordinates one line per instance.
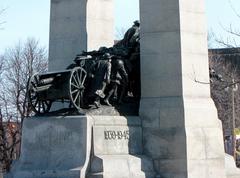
(117, 149)
(77, 25)
(54, 147)
(231, 170)
(181, 130)
(82, 147)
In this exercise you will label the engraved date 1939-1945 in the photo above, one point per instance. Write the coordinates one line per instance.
(116, 135)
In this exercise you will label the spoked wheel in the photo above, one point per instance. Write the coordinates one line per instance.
(38, 104)
(76, 86)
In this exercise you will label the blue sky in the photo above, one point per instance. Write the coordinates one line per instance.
(29, 18)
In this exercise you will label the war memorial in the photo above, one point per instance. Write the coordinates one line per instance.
(140, 108)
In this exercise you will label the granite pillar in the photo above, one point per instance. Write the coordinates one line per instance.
(77, 25)
(181, 130)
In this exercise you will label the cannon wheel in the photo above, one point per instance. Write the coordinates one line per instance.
(38, 106)
(76, 86)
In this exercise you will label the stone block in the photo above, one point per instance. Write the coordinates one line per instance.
(214, 143)
(96, 10)
(198, 22)
(171, 117)
(206, 116)
(76, 26)
(215, 168)
(171, 168)
(62, 8)
(114, 135)
(64, 42)
(156, 39)
(164, 143)
(48, 174)
(196, 143)
(54, 147)
(150, 117)
(197, 168)
(164, 112)
(116, 121)
(156, 79)
(99, 38)
(117, 140)
(161, 9)
(125, 166)
(230, 167)
(197, 6)
(117, 149)
(194, 43)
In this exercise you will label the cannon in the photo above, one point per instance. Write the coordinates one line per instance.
(69, 84)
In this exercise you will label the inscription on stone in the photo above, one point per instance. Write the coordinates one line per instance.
(116, 135)
(53, 137)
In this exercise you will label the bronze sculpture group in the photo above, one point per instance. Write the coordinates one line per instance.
(114, 72)
(107, 76)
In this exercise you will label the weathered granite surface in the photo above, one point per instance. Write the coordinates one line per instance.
(181, 130)
(78, 25)
(82, 146)
(54, 147)
(117, 149)
(231, 170)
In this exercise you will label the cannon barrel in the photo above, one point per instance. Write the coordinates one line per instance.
(83, 57)
(46, 81)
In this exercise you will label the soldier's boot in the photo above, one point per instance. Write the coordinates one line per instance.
(97, 102)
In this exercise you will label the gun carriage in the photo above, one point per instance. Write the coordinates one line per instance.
(66, 85)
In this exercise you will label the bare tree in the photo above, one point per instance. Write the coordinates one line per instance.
(1, 66)
(222, 91)
(21, 62)
(232, 40)
(18, 64)
(210, 38)
(2, 21)
(226, 96)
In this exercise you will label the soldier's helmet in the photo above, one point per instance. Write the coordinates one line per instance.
(137, 22)
(107, 56)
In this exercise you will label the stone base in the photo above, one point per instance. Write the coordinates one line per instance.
(117, 149)
(183, 136)
(54, 147)
(64, 147)
(231, 170)
(45, 174)
(122, 166)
